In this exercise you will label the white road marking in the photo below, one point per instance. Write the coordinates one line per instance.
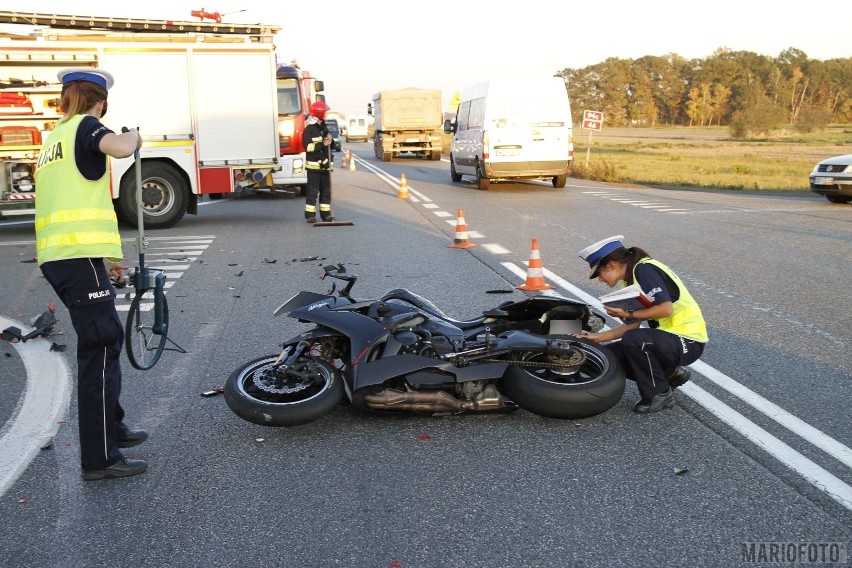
(44, 402)
(494, 248)
(814, 474)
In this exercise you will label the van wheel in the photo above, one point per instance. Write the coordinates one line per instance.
(454, 175)
(482, 182)
(559, 181)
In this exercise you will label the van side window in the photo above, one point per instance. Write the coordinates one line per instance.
(477, 113)
(461, 117)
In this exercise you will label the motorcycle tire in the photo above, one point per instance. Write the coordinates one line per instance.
(596, 388)
(310, 400)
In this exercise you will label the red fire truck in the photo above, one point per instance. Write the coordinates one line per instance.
(181, 83)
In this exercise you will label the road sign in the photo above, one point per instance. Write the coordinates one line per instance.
(593, 115)
(592, 125)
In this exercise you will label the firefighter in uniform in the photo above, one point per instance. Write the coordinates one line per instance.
(653, 356)
(76, 229)
(317, 142)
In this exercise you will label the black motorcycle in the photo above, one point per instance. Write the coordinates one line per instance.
(400, 353)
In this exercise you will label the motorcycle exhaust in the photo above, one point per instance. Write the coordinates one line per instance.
(433, 402)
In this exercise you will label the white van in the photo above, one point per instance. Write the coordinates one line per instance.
(357, 128)
(509, 129)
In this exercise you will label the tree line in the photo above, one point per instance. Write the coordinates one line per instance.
(749, 92)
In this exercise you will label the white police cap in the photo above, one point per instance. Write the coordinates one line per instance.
(96, 76)
(594, 254)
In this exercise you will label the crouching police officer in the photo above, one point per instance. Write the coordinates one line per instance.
(317, 142)
(76, 229)
(653, 356)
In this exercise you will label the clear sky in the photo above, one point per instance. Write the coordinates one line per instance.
(358, 48)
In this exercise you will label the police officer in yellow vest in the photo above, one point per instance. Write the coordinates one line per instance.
(76, 229)
(653, 356)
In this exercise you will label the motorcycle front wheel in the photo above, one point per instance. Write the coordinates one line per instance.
(287, 396)
(592, 382)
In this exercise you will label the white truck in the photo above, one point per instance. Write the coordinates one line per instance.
(181, 83)
(407, 120)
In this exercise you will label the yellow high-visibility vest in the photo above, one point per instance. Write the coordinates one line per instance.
(686, 319)
(74, 216)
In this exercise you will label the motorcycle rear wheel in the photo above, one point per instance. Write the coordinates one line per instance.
(595, 388)
(291, 399)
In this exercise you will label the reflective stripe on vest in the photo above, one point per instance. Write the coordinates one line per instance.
(686, 319)
(74, 216)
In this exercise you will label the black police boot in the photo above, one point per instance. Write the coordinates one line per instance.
(122, 468)
(131, 438)
(679, 377)
(657, 402)
(310, 220)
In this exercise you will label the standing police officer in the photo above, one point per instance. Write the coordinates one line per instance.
(76, 228)
(317, 142)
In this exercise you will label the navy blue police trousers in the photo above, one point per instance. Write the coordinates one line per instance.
(84, 287)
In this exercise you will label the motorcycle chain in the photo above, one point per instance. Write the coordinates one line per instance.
(573, 362)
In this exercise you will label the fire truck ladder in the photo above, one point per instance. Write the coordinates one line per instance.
(258, 32)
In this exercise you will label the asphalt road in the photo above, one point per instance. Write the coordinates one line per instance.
(756, 450)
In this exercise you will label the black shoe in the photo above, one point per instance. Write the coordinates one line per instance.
(328, 219)
(657, 402)
(311, 220)
(132, 438)
(122, 468)
(679, 377)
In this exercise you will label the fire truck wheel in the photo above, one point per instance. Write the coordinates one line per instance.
(165, 195)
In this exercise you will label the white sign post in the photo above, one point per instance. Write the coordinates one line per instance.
(592, 120)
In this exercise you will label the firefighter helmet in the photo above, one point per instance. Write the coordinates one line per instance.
(319, 109)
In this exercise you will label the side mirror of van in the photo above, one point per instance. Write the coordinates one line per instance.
(370, 109)
(449, 127)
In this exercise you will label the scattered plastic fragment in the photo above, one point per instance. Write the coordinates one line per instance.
(680, 471)
(424, 437)
(213, 392)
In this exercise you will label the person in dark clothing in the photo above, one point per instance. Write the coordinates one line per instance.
(76, 229)
(317, 142)
(676, 332)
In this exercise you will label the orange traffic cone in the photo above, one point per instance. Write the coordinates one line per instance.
(461, 241)
(351, 164)
(344, 160)
(403, 187)
(535, 276)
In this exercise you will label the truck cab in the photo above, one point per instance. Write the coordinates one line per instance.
(297, 91)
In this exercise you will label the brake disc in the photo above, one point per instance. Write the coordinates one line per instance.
(280, 380)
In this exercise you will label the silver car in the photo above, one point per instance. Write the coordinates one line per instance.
(833, 179)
